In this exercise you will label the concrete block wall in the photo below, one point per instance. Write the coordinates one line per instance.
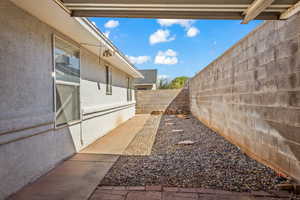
(171, 101)
(251, 95)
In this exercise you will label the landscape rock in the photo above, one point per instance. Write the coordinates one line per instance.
(177, 130)
(186, 142)
(210, 163)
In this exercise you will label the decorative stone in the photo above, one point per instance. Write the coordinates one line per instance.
(186, 142)
(177, 130)
(169, 123)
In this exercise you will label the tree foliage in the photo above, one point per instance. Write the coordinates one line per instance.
(176, 83)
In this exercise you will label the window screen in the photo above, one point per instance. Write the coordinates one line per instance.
(67, 82)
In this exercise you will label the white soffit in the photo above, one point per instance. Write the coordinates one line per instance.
(78, 29)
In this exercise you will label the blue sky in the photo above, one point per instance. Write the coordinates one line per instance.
(174, 47)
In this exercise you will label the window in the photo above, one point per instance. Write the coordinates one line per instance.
(108, 80)
(129, 89)
(67, 82)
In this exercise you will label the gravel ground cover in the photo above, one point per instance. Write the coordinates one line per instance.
(211, 162)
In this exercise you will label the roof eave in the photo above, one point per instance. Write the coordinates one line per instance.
(80, 30)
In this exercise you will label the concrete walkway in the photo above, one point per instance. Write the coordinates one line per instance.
(78, 177)
(118, 139)
(75, 179)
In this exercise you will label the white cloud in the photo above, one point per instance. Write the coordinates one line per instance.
(186, 23)
(192, 32)
(94, 23)
(107, 33)
(138, 59)
(161, 36)
(111, 24)
(168, 57)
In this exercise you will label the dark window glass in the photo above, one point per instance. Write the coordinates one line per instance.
(67, 63)
(108, 80)
(129, 89)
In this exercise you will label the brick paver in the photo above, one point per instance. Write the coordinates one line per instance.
(143, 195)
(179, 196)
(109, 195)
(174, 193)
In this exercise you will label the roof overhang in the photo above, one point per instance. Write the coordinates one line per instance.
(81, 30)
(184, 9)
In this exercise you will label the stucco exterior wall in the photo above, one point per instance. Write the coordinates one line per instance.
(102, 112)
(93, 76)
(30, 145)
(24, 51)
(250, 95)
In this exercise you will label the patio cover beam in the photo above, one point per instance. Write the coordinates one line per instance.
(180, 9)
(257, 7)
(291, 11)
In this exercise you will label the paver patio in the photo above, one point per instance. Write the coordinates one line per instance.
(174, 193)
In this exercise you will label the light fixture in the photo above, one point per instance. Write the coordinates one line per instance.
(103, 50)
(107, 53)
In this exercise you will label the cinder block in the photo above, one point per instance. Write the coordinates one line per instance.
(252, 92)
(292, 28)
(287, 48)
(289, 81)
(294, 168)
(293, 98)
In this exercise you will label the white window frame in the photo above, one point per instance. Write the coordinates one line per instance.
(64, 82)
